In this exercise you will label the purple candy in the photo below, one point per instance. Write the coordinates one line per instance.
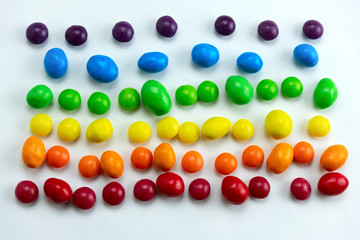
(225, 25)
(313, 29)
(76, 35)
(123, 31)
(166, 26)
(268, 30)
(37, 33)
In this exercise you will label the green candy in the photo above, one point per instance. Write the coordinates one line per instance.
(155, 97)
(291, 87)
(98, 103)
(69, 99)
(129, 99)
(186, 95)
(267, 89)
(207, 92)
(325, 93)
(39, 96)
(239, 90)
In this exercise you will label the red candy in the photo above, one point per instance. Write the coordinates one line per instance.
(26, 191)
(332, 184)
(170, 184)
(300, 188)
(199, 189)
(234, 190)
(113, 193)
(145, 190)
(84, 198)
(57, 190)
(259, 187)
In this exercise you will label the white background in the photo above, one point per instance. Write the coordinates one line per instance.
(277, 217)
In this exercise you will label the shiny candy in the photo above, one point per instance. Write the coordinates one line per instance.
(205, 55)
(41, 125)
(249, 62)
(189, 132)
(102, 68)
(239, 90)
(168, 128)
(319, 126)
(99, 130)
(278, 124)
(215, 127)
(33, 152)
(55, 63)
(68, 129)
(139, 132)
(243, 130)
(39, 96)
(306, 55)
(153, 62)
(156, 98)
(325, 93)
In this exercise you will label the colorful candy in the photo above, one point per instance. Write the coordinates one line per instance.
(33, 152)
(102, 68)
(192, 162)
(113, 193)
(99, 103)
(186, 95)
(234, 190)
(278, 124)
(168, 128)
(26, 191)
(208, 92)
(99, 130)
(249, 62)
(153, 62)
(243, 130)
(303, 152)
(69, 99)
(57, 156)
(306, 55)
(145, 190)
(280, 158)
(112, 164)
(189, 132)
(170, 184)
(300, 188)
(37, 33)
(39, 96)
(268, 30)
(68, 129)
(123, 31)
(239, 90)
(332, 184)
(164, 157)
(41, 125)
(253, 156)
(156, 98)
(55, 63)
(199, 189)
(215, 127)
(225, 163)
(313, 29)
(76, 35)
(319, 126)
(129, 99)
(259, 187)
(291, 87)
(84, 198)
(205, 55)
(225, 25)
(267, 90)
(325, 93)
(89, 166)
(166, 26)
(141, 158)
(139, 132)
(334, 157)
(57, 190)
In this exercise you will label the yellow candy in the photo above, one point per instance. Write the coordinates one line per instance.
(139, 132)
(68, 129)
(278, 124)
(319, 126)
(189, 132)
(243, 130)
(99, 130)
(168, 128)
(215, 127)
(41, 125)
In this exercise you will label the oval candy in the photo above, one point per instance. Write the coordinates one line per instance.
(99, 130)
(332, 184)
(102, 68)
(156, 98)
(280, 158)
(215, 127)
(57, 190)
(33, 152)
(325, 93)
(239, 90)
(55, 63)
(153, 62)
(334, 157)
(306, 55)
(205, 55)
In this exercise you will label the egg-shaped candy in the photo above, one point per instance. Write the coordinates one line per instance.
(99, 130)
(102, 68)
(205, 55)
(153, 62)
(55, 63)
(239, 90)
(215, 127)
(306, 55)
(249, 62)
(155, 97)
(325, 93)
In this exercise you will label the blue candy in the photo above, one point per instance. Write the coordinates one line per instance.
(55, 63)
(306, 55)
(205, 55)
(249, 62)
(153, 62)
(102, 68)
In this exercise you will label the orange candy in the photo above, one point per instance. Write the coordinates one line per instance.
(303, 152)
(334, 157)
(33, 152)
(192, 161)
(141, 158)
(112, 164)
(89, 166)
(164, 157)
(253, 156)
(280, 158)
(225, 163)
(57, 156)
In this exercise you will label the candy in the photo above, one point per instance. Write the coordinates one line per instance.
(166, 26)
(57, 156)
(207, 92)
(225, 163)
(68, 129)
(141, 158)
(41, 125)
(215, 127)
(102, 68)
(99, 130)
(69, 99)
(98, 103)
(205, 55)
(145, 190)
(239, 90)
(249, 62)
(189, 132)
(55, 63)
(113, 193)
(123, 31)
(291, 87)
(129, 99)
(39, 96)
(225, 25)
(259, 187)
(234, 190)
(267, 89)
(199, 189)
(84, 198)
(253, 156)
(319, 126)
(168, 128)
(313, 29)
(89, 166)
(26, 191)
(278, 124)
(186, 95)
(76, 35)
(57, 190)
(325, 93)
(306, 55)
(334, 157)
(243, 130)
(280, 158)
(268, 30)
(303, 152)
(153, 62)
(139, 132)
(300, 188)
(33, 152)
(37, 33)
(164, 157)
(192, 162)
(332, 184)
(156, 98)
(112, 164)
(170, 184)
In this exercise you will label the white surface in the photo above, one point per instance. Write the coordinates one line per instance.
(278, 216)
